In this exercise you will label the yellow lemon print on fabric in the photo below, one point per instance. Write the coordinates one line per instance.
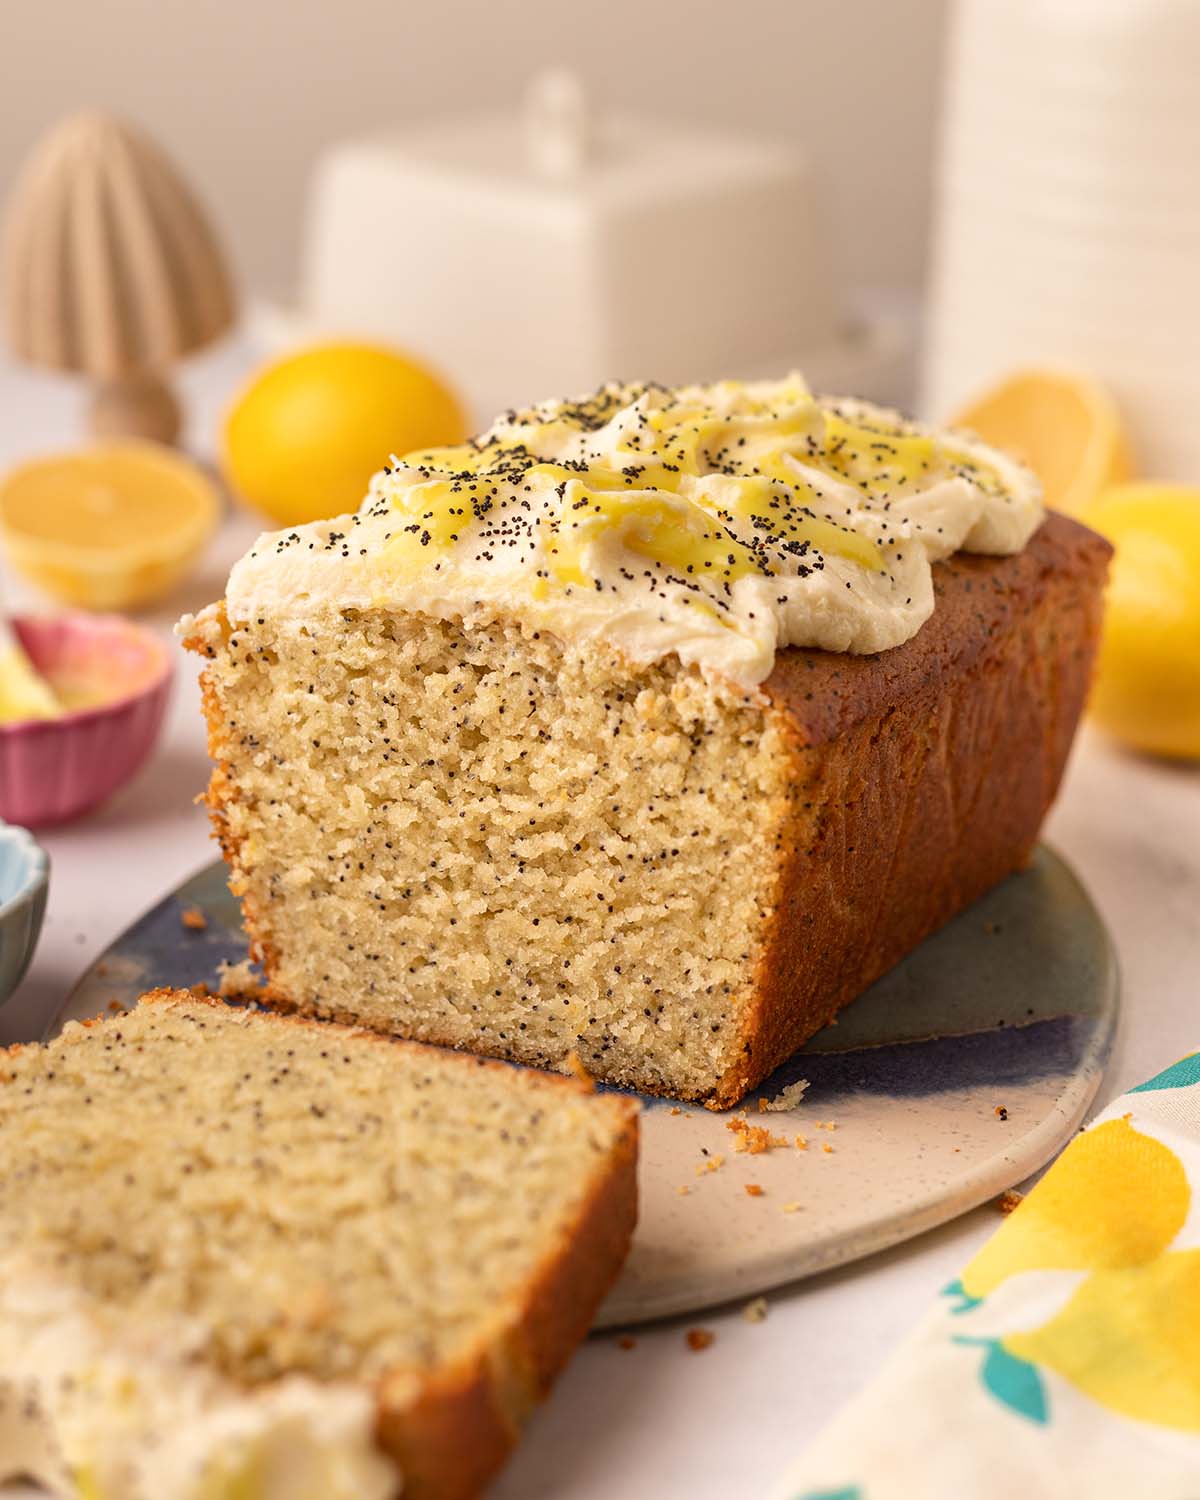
(1116, 1198)
(87, 1486)
(1128, 1338)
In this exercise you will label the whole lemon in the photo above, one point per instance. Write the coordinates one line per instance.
(303, 439)
(1147, 688)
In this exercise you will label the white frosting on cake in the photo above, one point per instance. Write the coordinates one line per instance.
(717, 523)
(93, 1410)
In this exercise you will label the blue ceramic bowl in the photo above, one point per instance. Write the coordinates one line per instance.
(24, 878)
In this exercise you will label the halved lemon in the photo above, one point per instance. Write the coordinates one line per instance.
(24, 692)
(112, 526)
(1065, 426)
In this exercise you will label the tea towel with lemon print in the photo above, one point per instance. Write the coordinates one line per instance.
(1065, 1361)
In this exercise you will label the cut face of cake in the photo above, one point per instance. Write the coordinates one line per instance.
(649, 728)
(246, 1256)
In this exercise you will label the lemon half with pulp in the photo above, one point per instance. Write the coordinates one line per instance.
(112, 526)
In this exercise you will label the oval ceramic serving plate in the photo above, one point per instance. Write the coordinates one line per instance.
(956, 1076)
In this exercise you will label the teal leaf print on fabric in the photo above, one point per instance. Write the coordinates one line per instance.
(965, 1301)
(1014, 1382)
(1180, 1075)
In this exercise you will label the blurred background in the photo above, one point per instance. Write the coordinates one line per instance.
(251, 248)
(246, 94)
(250, 251)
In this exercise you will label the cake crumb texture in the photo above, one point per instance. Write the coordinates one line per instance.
(284, 1199)
(482, 839)
(467, 832)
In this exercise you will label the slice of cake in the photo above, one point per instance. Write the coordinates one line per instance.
(649, 728)
(244, 1257)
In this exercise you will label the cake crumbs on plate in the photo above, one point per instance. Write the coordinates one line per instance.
(754, 1189)
(712, 1164)
(238, 981)
(683, 1190)
(1001, 1112)
(827, 1148)
(791, 1208)
(801, 1143)
(700, 1338)
(1008, 1200)
(753, 1139)
(787, 1098)
(193, 919)
(755, 1311)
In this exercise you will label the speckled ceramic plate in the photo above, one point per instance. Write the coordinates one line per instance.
(953, 1078)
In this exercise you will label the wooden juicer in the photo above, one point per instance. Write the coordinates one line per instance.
(111, 270)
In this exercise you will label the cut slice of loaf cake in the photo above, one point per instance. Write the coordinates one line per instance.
(657, 753)
(244, 1255)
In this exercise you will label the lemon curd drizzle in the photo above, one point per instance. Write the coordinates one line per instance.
(717, 524)
(709, 491)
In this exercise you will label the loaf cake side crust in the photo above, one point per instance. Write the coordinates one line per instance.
(450, 1416)
(928, 772)
(464, 1425)
(465, 1421)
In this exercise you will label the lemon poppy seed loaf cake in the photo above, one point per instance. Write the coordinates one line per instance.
(648, 728)
(249, 1256)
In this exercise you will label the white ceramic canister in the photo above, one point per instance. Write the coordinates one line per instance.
(544, 252)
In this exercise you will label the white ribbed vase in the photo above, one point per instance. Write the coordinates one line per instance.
(1068, 221)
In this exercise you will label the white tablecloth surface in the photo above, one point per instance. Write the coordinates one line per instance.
(657, 1420)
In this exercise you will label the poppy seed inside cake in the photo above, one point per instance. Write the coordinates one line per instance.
(474, 833)
(483, 838)
(325, 1201)
(247, 1254)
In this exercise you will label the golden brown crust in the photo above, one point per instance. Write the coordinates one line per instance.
(463, 1426)
(922, 777)
(980, 600)
(218, 793)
